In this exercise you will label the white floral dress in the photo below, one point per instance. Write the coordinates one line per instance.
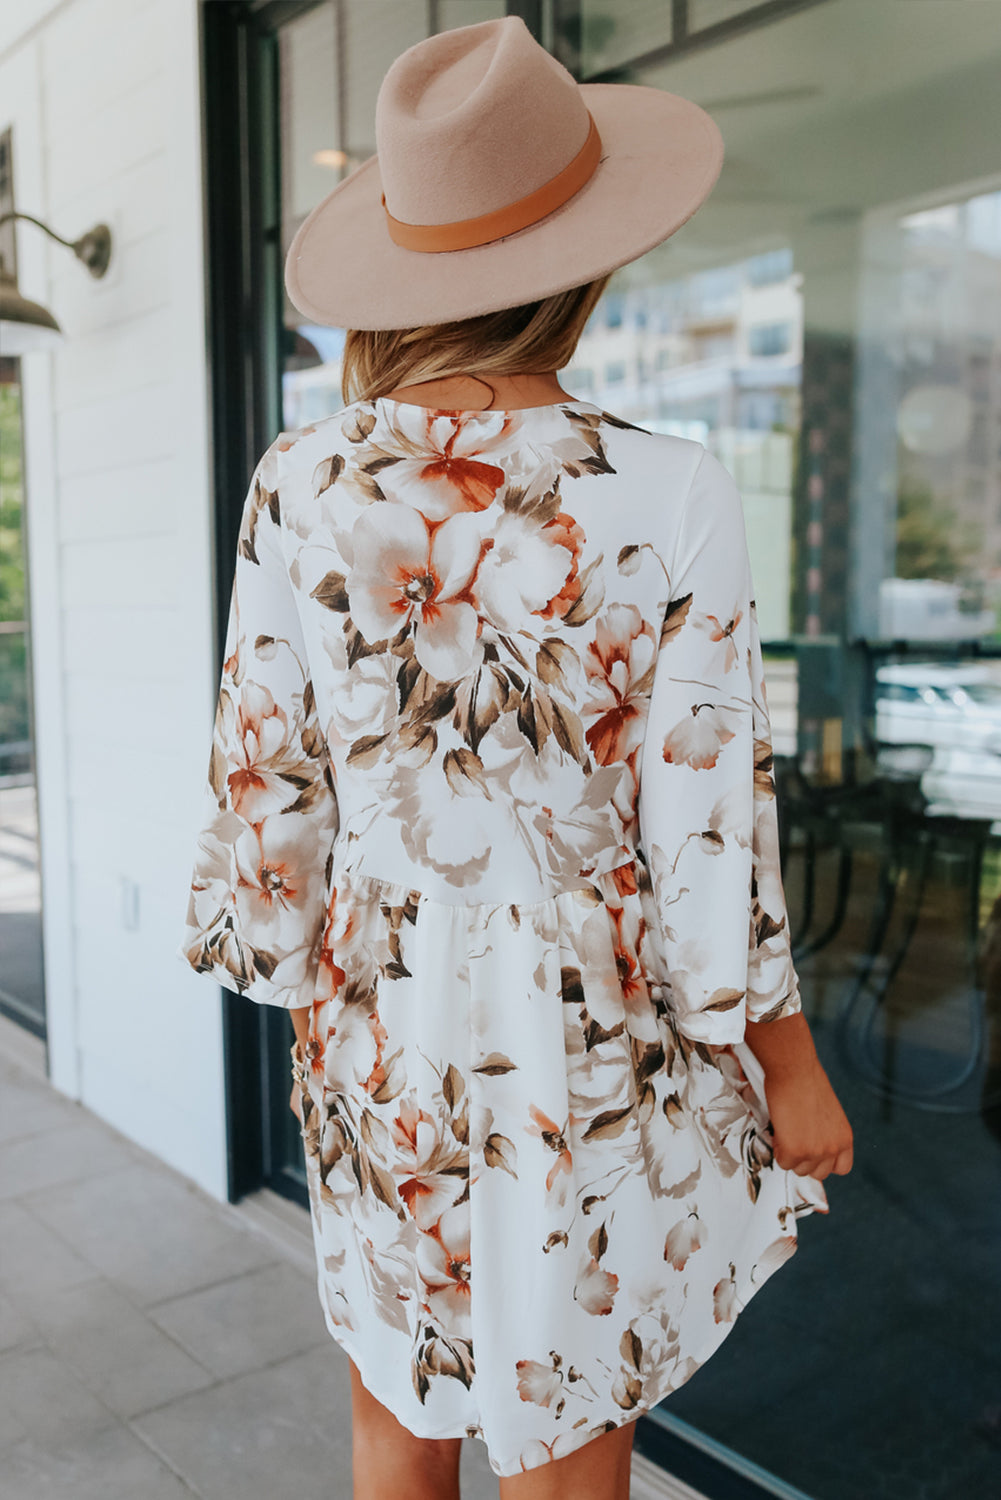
(491, 791)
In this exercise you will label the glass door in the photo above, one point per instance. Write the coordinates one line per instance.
(22, 986)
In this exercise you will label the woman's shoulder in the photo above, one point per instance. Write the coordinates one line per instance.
(348, 424)
(667, 454)
(647, 435)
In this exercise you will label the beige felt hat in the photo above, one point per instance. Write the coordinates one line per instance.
(498, 181)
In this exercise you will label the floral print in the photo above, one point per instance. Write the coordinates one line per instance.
(491, 792)
(407, 573)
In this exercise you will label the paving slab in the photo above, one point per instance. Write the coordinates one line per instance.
(281, 1431)
(40, 1395)
(477, 1480)
(275, 1432)
(34, 1261)
(126, 1361)
(151, 1231)
(17, 1329)
(28, 1105)
(112, 1464)
(60, 1156)
(247, 1322)
(156, 1344)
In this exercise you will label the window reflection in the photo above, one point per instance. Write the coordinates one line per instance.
(22, 980)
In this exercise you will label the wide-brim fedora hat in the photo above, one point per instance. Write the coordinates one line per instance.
(497, 180)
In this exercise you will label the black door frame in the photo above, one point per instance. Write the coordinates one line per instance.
(243, 219)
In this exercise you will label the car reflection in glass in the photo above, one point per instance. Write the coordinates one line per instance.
(955, 712)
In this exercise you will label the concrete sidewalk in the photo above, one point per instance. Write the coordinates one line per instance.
(156, 1344)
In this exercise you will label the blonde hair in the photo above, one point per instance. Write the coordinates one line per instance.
(536, 338)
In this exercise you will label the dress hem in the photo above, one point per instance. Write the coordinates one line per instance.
(745, 1292)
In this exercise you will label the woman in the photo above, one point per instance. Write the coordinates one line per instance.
(491, 809)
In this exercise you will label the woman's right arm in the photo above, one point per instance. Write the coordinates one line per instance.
(706, 801)
(709, 828)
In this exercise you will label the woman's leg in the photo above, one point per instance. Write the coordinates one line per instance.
(389, 1463)
(598, 1471)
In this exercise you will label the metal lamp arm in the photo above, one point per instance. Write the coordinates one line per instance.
(92, 248)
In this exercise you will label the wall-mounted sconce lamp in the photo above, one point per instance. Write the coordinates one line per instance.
(26, 326)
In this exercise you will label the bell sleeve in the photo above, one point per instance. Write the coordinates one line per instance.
(707, 813)
(269, 819)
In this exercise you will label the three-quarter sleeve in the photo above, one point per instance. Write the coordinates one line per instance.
(707, 813)
(256, 904)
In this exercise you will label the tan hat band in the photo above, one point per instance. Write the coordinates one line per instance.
(466, 234)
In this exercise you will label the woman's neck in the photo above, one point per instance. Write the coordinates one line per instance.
(482, 392)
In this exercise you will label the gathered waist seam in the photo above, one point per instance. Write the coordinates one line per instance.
(352, 873)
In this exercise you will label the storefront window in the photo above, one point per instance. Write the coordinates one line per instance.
(22, 988)
(829, 325)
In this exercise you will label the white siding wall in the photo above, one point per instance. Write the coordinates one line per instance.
(103, 96)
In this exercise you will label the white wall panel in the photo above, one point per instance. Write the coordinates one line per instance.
(130, 500)
(141, 205)
(136, 283)
(96, 148)
(94, 365)
(100, 708)
(105, 104)
(21, 18)
(115, 641)
(128, 428)
(136, 573)
(129, 53)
